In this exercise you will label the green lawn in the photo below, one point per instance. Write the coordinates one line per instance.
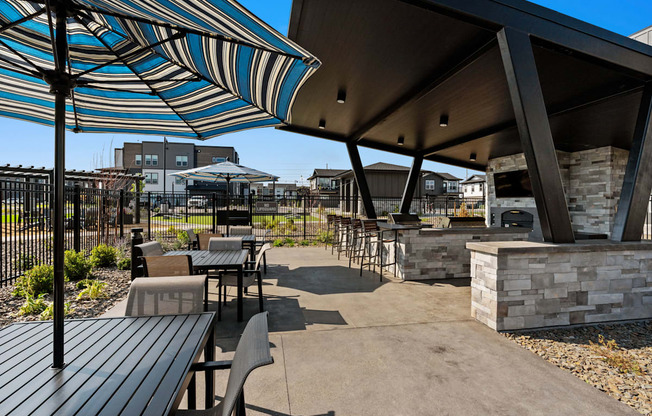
(206, 218)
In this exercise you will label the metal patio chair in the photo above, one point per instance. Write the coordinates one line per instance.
(204, 238)
(159, 266)
(252, 352)
(251, 275)
(192, 237)
(165, 295)
(241, 230)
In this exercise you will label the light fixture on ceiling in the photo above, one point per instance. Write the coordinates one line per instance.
(443, 120)
(341, 96)
(473, 157)
(322, 124)
(401, 141)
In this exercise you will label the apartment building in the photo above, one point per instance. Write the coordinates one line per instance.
(156, 160)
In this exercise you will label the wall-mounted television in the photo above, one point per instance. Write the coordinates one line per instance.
(514, 184)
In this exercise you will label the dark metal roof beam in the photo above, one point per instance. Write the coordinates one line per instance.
(549, 26)
(422, 89)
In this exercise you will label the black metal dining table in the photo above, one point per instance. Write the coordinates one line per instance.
(221, 260)
(114, 366)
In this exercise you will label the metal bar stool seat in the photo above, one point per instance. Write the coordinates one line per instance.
(344, 238)
(374, 242)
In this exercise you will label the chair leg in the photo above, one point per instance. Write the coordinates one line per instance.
(192, 393)
(219, 300)
(265, 262)
(260, 292)
(240, 409)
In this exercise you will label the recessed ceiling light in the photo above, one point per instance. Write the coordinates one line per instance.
(341, 96)
(322, 124)
(401, 140)
(473, 157)
(443, 121)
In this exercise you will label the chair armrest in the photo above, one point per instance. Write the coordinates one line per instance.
(211, 365)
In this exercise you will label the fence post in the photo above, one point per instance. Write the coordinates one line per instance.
(251, 211)
(446, 205)
(305, 202)
(137, 206)
(149, 216)
(186, 203)
(76, 218)
(3, 259)
(121, 214)
(214, 212)
(136, 238)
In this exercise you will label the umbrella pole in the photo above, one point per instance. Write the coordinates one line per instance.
(228, 204)
(61, 89)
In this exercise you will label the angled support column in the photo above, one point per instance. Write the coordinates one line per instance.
(411, 184)
(361, 179)
(536, 137)
(637, 185)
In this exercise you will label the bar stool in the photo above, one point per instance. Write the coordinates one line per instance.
(356, 241)
(336, 232)
(330, 222)
(344, 238)
(374, 243)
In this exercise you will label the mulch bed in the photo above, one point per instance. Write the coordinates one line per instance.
(570, 350)
(116, 290)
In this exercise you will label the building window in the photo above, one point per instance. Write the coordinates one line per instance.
(151, 160)
(151, 177)
(139, 160)
(182, 161)
(430, 185)
(218, 159)
(452, 186)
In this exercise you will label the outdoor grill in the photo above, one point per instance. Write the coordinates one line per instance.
(404, 219)
(517, 218)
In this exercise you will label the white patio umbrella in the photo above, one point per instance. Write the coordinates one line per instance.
(225, 172)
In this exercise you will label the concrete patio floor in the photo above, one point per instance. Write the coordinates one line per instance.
(350, 345)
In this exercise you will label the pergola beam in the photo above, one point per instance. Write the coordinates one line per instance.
(535, 134)
(549, 26)
(361, 180)
(421, 89)
(411, 185)
(637, 184)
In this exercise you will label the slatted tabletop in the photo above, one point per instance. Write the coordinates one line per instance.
(209, 260)
(204, 260)
(114, 366)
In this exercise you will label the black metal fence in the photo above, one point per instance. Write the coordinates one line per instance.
(95, 216)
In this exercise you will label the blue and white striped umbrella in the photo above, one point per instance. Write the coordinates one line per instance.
(184, 68)
(225, 171)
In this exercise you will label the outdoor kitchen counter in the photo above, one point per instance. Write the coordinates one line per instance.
(441, 253)
(518, 285)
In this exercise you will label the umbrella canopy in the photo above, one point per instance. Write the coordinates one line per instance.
(225, 171)
(184, 68)
(193, 69)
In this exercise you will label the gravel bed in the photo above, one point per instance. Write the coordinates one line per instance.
(116, 290)
(570, 350)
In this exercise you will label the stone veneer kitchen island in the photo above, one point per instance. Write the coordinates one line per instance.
(518, 285)
(440, 253)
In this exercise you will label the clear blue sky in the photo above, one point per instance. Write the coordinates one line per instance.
(288, 155)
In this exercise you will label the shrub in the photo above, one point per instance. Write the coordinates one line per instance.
(278, 243)
(289, 242)
(48, 313)
(94, 290)
(104, 256)
(614, 356)
(304, 243)
(124, 264)
(182, 237)
(76, 266)
(325, 237)
(36, 281)
(83, 283)
(33, 305)
(26, 262)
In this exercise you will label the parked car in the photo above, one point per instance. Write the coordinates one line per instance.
(197, 201)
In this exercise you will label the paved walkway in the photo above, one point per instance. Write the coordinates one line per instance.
(350, 345)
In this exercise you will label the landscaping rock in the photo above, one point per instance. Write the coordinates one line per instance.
(570, 349)
(117, 287)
